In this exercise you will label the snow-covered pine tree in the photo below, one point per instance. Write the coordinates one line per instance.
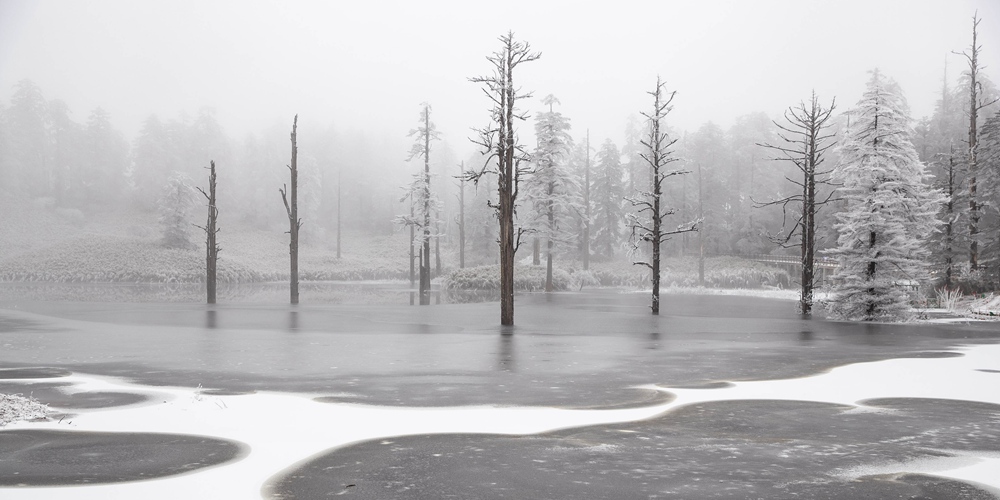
(608, 195)
(989, 163)
(175, 206)
(552, 190)
(890, 210)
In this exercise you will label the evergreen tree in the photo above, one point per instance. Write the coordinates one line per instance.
(989, 163)
(175, 211)
(890, 209)
(608, 194)
(106, 158)
(552, 189)
(28, 122)
(65, 137)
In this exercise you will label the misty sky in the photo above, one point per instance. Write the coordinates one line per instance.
(368, 65)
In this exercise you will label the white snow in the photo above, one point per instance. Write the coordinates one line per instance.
(284, 429)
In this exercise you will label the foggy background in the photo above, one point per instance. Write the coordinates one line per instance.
(367, 65)
(110, 112)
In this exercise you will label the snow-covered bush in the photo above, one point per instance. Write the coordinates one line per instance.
(720, 272)
(526, 278)
(17, 408)
(948, 299)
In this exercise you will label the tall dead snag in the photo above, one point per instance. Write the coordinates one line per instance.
(646, 223)
(211, 228)
(975, 104)
(498, 140)
(294, 222)
(425, 132)
(805, 140)
(422, 203)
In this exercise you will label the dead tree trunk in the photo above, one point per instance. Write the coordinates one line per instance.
(975, 104)
(294, 223)
(211, 229)
(498, 139)
(805, 142)
(646, 224)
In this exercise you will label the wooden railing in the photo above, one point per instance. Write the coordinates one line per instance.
(792, 260)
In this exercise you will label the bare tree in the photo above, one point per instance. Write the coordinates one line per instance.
(976, 103)
(805, 140)
(498, 140)
(211, 228)
(646, 224)
(294, 222)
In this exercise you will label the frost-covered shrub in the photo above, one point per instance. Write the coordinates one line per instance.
(526, 278)
(581, 278)
(16, 408)
(720, 272)
(111, 259)
(948, 299)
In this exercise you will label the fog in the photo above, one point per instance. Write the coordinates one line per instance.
(111, 110)
(368, 65)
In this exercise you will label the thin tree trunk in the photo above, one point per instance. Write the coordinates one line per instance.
(870, 277)
(212, 254)
(293, 220)
(425, 261)
(656, 236)
(211, 230)
(461, 221)
(437, 245)
(974, 106)
(586, 207)
(949, 238)
(338, 210)
(701, 234)
(551, 214)
(412, 251)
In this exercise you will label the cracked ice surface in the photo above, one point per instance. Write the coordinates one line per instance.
(284, 429)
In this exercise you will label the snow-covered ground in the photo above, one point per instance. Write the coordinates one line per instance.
(986, 308)
(284, 429)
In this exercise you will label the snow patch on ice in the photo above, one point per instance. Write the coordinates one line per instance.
(283, 429)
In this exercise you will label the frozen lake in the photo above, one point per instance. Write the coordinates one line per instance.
(588, 396)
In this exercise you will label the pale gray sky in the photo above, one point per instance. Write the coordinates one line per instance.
(369, 64)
